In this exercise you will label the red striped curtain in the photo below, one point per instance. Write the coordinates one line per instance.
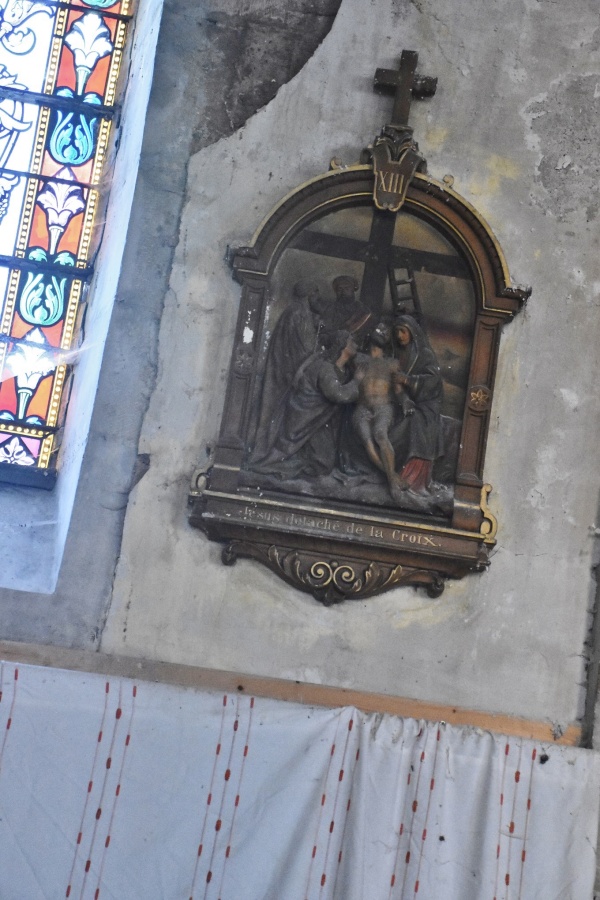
(116, 789)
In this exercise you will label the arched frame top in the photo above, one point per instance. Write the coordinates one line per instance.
(426, 198)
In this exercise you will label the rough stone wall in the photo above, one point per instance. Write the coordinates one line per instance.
(515, 121)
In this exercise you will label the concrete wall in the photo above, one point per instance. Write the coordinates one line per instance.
(515, 122)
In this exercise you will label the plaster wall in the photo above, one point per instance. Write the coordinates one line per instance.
(515, 121)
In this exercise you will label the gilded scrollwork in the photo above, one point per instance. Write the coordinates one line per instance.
(332, 581)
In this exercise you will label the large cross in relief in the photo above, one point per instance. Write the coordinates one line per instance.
(379, 254)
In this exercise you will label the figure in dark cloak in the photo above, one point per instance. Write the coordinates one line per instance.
(348, 312)
(295, 337)
(306, 443)
(417, 439)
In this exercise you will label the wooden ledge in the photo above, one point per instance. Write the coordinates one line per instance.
(281, 689)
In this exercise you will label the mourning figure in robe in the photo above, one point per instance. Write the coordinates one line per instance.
(295, 337)
(418, 438)
(305, 444)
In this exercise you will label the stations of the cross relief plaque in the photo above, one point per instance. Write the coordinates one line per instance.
(351, 453)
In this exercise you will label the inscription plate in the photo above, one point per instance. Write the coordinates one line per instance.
(340, 527)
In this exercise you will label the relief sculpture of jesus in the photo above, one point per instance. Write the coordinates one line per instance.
(354, 409)
(379, 384)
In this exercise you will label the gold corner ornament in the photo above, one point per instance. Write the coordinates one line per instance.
(489, 525)
(480, 397)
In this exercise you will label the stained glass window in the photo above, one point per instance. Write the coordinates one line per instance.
(59, 63)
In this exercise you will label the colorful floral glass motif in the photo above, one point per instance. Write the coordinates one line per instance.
(59, 63)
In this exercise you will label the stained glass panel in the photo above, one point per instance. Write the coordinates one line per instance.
(59, 64)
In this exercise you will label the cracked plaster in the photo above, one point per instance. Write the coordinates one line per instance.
(566, 125)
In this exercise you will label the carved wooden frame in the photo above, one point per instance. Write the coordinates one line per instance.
(339, 550)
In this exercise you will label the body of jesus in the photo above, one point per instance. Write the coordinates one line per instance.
(379, 389)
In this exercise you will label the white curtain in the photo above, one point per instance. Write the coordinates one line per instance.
(123, 790)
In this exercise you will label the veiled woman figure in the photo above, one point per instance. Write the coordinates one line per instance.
(295, 337)
(417, 439)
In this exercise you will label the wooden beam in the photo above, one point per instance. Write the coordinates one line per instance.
(281, 689)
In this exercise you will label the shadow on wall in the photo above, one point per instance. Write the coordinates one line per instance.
(247, 51)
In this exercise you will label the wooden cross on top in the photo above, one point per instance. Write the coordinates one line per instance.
(404, 84)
